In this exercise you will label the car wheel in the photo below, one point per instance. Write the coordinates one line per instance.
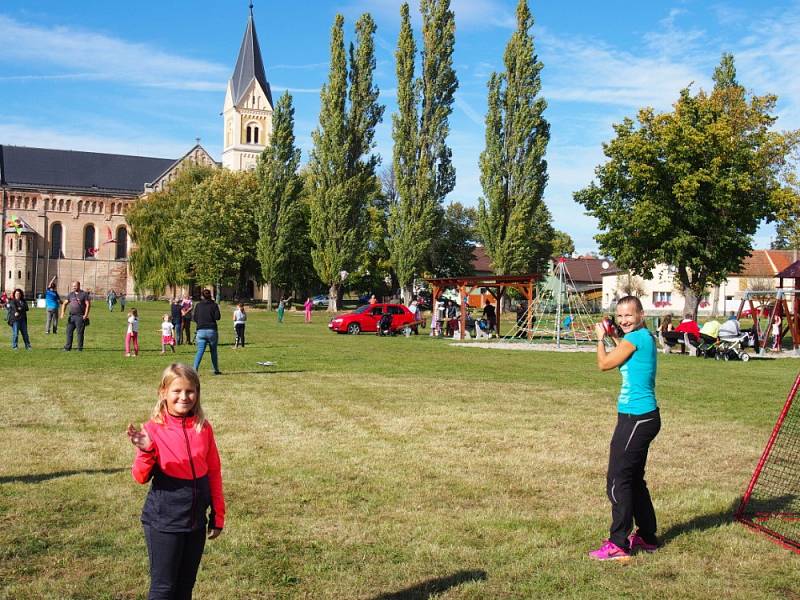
(745, 357)
(354, 329)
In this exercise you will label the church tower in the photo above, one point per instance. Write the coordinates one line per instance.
(247, 114)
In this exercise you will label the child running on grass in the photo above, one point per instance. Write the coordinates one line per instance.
(176, 451)
(638, 423)
(167, 334)
(132, 335)
(239, 321)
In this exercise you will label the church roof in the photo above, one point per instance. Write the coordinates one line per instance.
(71, 170)
(249, 65)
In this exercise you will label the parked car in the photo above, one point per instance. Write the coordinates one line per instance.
(365, 318)
(320, 300)
(763, 311)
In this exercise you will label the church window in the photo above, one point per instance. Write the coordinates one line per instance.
(10, 245)
(19, 274)
(122, 244)
(249, 135)
(255, 135)
(28, 244)
(56, 240)
(19, 244)
(28, 275)
(33, 203)
(69, 205)
(26, 203)
(88, 242)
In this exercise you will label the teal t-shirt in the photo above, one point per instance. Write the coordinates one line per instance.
(638, 395)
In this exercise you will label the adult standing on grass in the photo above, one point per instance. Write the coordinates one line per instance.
(111, 299)
(638, 423)
(206, 315)
(176, 318)
(186, 320)
(79, 304)
(52, 301)
(18, 319)
(281, 309)
(309, 304)
(176, 450)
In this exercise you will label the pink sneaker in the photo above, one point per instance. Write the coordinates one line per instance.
(610, 551)
(637, 542)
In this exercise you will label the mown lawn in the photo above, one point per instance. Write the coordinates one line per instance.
(364, 467)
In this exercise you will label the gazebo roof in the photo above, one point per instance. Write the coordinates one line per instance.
(791, 272)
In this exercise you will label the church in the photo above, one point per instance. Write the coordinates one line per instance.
(64, 211)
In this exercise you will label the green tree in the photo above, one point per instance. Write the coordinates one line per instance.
(218, 231)
(422, 161)
(278, 211)
(787, 214)
(342, 172)
(562, 244)
(156, 261)
(451, 253)
(513, 220)
(688, 188)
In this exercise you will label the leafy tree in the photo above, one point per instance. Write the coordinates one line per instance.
(513, 220)
(421, 158)
(688, 188)
(218, 231)
(156, 261)
(562, 244)
(342, 173)
(278, 212)
(451, 253)
(787, 214)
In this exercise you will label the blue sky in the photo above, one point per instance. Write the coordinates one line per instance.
(148, 78)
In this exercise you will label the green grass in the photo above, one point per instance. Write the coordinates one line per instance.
(365, 467)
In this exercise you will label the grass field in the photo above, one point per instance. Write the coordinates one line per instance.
(392, 468)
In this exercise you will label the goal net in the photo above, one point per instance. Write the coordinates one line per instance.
(771, 503)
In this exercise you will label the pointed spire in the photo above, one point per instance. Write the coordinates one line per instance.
(249, 65)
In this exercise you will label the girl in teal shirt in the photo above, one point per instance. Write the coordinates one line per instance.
(638, 423)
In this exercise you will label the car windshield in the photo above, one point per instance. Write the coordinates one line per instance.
(361, 309)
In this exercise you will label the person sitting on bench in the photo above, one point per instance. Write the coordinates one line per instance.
(687, 329)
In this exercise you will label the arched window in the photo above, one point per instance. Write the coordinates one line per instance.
(122, 243)
(56, 240)
(249, 137)
(88, 242)
(19, 244)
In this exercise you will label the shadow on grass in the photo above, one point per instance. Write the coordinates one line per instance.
(262, 371)
(40, 477)
(439, 585)
(701, 522)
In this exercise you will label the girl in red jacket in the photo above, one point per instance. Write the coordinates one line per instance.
(176, 451)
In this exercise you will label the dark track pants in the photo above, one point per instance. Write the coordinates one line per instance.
(174, 560)
(626, 487)
(75, 323)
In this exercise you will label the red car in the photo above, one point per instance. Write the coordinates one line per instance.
(365, 318)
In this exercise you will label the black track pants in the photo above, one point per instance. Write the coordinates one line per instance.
(174, 560)
(626, 487)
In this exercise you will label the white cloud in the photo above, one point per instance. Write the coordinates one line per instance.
(100, 56)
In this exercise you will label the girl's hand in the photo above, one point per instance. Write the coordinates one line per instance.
(139, 437)
(599, 331)
(214, 533)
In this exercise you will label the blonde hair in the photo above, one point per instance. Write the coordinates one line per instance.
(170, 374)
(165, 317)
(134, 313)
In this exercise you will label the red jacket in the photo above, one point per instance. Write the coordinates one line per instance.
(690, 327)
(186, 476)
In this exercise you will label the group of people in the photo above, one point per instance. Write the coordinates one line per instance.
(111, 299)
(75, 307)
(446, 319)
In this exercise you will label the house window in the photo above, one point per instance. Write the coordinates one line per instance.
(122, 244)
(662, 299)
(88, 242)
(56, 240)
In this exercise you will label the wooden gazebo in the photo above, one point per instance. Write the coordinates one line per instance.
(525, 284)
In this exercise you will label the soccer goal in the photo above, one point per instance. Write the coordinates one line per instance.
(771, 503)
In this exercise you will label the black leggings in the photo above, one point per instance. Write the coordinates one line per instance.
(239, 327)
(174, 560)
(625, 484)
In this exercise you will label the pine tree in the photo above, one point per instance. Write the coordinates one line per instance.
(342, 178)
(278, 212)
(422, 160)
(513, 221)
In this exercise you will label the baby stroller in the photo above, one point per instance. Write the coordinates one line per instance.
(731, 346)
(385, 325)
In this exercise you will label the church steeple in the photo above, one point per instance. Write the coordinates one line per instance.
(248, 105)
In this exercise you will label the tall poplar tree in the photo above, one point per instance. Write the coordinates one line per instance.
(422, 161)
(342, 170)
(278, 210)
(513, 220)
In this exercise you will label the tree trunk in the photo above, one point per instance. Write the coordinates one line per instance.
(333, 297)
(407, 292)
(692, 302)
(269, 295)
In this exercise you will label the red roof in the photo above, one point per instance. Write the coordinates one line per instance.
(791, 272)
(767, 263)
(481, 262)
(588, 269)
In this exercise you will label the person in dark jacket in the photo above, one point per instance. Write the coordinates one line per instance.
(177, 452)
(206, 315)
(18, 319)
